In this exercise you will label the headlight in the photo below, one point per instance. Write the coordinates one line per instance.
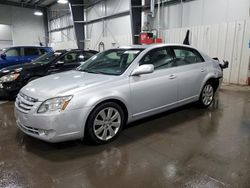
(9, 77)
(54, 104)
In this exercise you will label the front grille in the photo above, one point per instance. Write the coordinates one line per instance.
(29, 129)
(24, 103)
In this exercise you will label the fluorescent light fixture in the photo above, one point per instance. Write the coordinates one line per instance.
(62, 1)
(38, 13)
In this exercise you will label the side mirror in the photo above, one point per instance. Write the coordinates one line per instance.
(224, 65)
(3, 56)
(59, 63)
(143, 69)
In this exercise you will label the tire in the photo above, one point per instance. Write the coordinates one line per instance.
(207, 95)
(100, 128)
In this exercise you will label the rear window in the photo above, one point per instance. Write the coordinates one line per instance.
(185, 56)
(31, 51)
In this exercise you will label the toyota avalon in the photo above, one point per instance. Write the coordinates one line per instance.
(113, 88)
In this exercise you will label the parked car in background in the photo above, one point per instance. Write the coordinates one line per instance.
(21, 54)
(113, 88)
(13, 78)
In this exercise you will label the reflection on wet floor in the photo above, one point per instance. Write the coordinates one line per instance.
(186, 147)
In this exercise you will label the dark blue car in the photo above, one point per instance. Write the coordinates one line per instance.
(21, 54)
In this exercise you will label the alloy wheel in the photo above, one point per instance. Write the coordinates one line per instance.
(107, 123)
(207, 95)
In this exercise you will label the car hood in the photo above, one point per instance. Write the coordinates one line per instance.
(62, 84)
(18, 68)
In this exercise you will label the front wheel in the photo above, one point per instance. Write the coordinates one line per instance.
(207, 95)
(104, 123)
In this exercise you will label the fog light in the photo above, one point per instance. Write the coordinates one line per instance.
(42, 132)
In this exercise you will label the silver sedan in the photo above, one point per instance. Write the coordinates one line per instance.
(113, 88)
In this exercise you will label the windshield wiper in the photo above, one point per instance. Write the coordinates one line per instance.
(97, 72)
(90, 71)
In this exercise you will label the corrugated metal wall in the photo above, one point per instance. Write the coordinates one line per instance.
(228, 41)
(62, 34)
(61, 29)
(112, 32)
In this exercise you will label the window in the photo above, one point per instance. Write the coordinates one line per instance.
(13, 52)
(161, 58)
(186, 56)
(111, 62)
(42, 51)
(85, 56)
(30, 51)
(70, 57)
(47, 58)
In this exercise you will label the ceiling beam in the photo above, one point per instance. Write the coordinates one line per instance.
(39, 2)
(51, 4)
(19, 4)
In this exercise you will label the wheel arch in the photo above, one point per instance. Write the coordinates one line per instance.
(215, 81)
(118, 101)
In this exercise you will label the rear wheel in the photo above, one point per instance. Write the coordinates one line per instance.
(104, 123)
(207, 95)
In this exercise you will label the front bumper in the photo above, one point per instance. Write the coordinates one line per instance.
(10, 89)
(52, 127)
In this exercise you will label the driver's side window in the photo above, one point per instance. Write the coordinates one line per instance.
(13, 52)
(161, 58)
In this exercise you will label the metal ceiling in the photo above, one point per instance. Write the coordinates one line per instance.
(29, 3)
(41, 3)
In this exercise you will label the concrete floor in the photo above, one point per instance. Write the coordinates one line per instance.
(187, 147)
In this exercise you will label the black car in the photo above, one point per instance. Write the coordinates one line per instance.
(13, 78)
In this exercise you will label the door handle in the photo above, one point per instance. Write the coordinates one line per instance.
(203, 69)
(172, 76)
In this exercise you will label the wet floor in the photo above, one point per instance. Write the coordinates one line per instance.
(187, 147)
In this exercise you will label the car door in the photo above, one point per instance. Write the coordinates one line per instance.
(191, 72)
(12, 56)
(157, 90)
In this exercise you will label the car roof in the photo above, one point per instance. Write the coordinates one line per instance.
(75, 50)
(152, 46)
(27, 46)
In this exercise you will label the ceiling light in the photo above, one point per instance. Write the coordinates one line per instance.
(62, 1)
(38, 13)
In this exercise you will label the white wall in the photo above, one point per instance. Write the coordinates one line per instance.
(113, 32)
(201, 12)
(65, 38)
(27, 29)
(5, 36)
(60, 18)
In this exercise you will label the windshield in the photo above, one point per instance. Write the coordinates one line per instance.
(47, 58)
(111, 62)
